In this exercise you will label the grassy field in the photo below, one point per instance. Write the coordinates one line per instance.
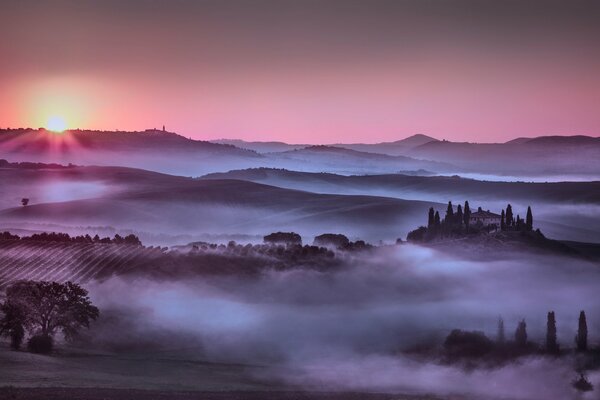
(87, 375)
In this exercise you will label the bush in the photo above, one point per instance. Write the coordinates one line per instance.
(467, 344)
(40, 344)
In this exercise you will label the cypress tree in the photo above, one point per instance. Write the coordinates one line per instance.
(467, 214)
(502, 222)
(529, 219)
(500, 338)
(459, 215)
(509, 215)
(436, 220)
(551, 343)
(518, 223)
(449, 213)
(582, 333)
(521, 334)
(431, 219)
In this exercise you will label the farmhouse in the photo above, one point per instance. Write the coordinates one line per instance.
(486, 218)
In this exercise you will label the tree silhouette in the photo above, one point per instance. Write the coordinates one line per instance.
(459, 215)
(47, 307)
(437, 221)
(529, 219)
(500, 337)
(431, 219)
(582, 333)
(449, 213)
(551, 342)
(467, 214)
(502, 221)
(509, 215)
(12, 323)
(521, 334)
(24, 201)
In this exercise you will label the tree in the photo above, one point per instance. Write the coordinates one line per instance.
(12, 323)
(500, 338)
(582, 333)
(459, 215)
(49, 307)
(521, 334)
(467, 214)
(449, 213)
(24, 201)
(431, 219)
(437, 221)
(551, 342)
(509, 215)
(529, 219)
(502, 221)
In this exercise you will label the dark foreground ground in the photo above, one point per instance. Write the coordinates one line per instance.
(126, 394)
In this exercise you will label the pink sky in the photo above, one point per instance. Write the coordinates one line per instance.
(312, 73)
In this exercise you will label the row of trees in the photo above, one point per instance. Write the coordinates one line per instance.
(42, 309)
(509, 223)
(460, 343)
(130, 239)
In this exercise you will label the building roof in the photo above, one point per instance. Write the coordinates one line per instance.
(484, 214)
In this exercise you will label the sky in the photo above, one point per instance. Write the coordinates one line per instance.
(304, 71)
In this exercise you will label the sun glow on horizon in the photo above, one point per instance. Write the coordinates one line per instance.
(56, 124)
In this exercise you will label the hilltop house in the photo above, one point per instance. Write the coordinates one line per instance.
(486, 218)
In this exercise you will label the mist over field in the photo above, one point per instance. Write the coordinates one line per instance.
(354, 328)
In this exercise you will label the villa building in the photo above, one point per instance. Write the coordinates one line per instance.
(486, 218)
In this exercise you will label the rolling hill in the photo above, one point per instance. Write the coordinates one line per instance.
(132, 199)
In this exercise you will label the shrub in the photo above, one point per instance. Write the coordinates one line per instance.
(40, 344)
(467, 344)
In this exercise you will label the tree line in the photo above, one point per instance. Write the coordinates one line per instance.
(130, 239)
(459, 344)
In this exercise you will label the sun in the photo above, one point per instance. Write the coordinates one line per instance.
(56, 124)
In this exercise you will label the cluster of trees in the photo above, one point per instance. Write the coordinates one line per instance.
(461, 344)
(31, 165)
(509, 223)
(459, 223)
(130, 239)
(41, 309)
(329, 240)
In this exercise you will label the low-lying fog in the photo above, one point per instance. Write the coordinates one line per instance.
(350, 329)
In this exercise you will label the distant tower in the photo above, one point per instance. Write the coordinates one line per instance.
(164, 130)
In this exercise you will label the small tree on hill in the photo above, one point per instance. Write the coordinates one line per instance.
(436, 220)
(529, 219)
(502, 221)
(551, 342)
(582, 333)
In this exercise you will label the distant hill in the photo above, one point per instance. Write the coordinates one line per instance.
(567, 210)
(126, 198)
(398, 147)
(401, 185)
(151, 149)
(261, 147)
(347, 161)
(549, 155)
